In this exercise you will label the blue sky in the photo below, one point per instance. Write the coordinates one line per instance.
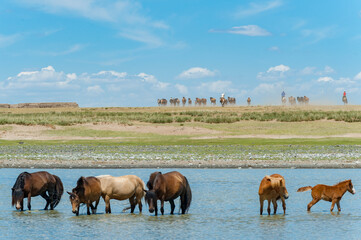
(129, 53)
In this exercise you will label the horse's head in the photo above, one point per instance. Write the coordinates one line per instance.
(279, 185)
(75, 202)
(350, 188)
(151, 199)
(17, 197)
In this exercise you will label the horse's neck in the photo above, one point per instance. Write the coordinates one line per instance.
(342, 187)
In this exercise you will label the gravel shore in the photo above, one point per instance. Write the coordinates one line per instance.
(189, 156)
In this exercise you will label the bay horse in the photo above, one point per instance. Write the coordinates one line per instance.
(87, 190)
(272, 188)
(41, 183)
(121, 188)
(167, 187)
(329, 193)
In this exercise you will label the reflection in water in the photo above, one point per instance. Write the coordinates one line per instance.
(225, 206)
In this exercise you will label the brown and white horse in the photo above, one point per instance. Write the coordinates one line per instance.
(121, 188)
(329, 193)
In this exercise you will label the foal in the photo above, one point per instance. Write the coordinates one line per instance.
(329, 193)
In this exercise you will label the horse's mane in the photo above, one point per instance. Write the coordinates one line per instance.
(151, 179)
(344, 181)
(20, 181)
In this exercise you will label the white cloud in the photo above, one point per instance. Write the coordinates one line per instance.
(248, 30)
(358, 76)
(279, 68)
(182, 89)
(112, 73)
(325, 79)
(7, 40)
(316, 35)
(127, 16)
(274, 48)
(216, 87)
(96, 89)
(274, 73)
(255, 8)
(308, 71)
(197, 72)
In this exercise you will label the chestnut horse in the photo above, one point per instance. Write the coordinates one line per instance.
(167, 187)
(272, 188)
(34, 184)
(121, 188)
(329, 193)
(87, 190)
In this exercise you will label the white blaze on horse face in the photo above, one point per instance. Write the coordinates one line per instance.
(18, 205)
(353, 191)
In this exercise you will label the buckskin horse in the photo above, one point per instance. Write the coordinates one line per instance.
(272, 188)
(35, 184)
(329, 193)
(87, 190)
(121, 188)
(167, 187)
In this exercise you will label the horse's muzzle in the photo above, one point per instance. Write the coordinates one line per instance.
(151, 210)
(286, 196)
(74, 211)
(353, 191)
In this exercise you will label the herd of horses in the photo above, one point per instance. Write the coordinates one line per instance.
(175, 102)
(89, 190)
(163, 187)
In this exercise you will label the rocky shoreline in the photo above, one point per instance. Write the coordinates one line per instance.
(179, 156)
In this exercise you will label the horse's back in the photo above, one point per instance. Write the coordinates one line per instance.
(174, 183)
(267, 185)
(121, 187)
(92, 188)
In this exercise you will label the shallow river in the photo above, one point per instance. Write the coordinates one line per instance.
(225, 206)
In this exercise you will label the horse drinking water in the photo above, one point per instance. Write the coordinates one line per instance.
(121, 188)
(329, 193)
(35, 184)
(87, 190)
(271, 189)
(167, 187)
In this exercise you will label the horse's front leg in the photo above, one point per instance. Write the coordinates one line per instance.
(162, 206)
(87, 207)
(269, 207)
(261, 205)
(107, 204)
(338, 205)
(29, 201)
(274, 202)
(77, 211)
(283, 205)
(172, 206)
(22, 205)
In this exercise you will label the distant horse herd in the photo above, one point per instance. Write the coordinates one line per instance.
(175, 102)
(163, 187)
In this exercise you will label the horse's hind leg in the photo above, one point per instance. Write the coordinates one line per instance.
(29, 201)
(283, 205)
(274, 202)
(313, 202)
(46, 197)
(107, 204)
(132, 204)
(172, 206)
(94, 210)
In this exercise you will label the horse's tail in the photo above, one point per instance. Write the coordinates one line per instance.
(19, 184)
(59, 189)
(304, 189)
(187, 196)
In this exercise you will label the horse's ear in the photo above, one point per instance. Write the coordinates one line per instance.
(12, 188)
(281, 182)
(69, 193)
(145, 190)
(268, 178)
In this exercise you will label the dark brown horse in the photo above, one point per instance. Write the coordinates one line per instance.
(29, 185)
(167, 187)
(87, 190)
(328, 193)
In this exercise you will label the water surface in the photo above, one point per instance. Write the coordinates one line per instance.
(225, 206)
